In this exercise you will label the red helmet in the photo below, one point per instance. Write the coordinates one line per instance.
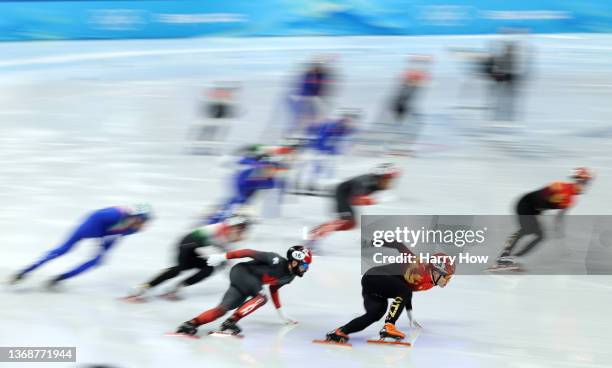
(444, 267)
(582, 174)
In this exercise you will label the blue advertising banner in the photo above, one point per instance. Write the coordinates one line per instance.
(31, 20)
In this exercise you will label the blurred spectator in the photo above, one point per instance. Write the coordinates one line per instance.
(311, 95)
(218, 108)
(506, 68)
(412, 81)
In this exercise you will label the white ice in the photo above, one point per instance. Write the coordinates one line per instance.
(88, 124)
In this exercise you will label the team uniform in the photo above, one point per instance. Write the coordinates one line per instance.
(305, 103)
(108, 225)
(556, 196)
(191, 255)
(354, 192)
(394, 281)
(323, 145)
(259, 173)
(246, 282)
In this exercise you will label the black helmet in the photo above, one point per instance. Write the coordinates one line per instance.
(303, 256)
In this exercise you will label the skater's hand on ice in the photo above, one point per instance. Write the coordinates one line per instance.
(412, 321)
(286, 320)
(216, 259)
(415, 324)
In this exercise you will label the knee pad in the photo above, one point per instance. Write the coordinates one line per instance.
(250, 306)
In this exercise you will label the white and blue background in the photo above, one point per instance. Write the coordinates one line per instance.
(96, 109)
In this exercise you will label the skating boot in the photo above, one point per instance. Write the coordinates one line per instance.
(505, 263)
(187, 328)
(138, 295)
(390, 332)
(16, 278)
(337, 336)
(229, 326)
(53, 284)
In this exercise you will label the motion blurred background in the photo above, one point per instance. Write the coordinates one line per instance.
(112, 102)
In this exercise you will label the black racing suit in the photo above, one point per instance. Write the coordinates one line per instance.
(382, 283)
(188, 258)
(358, 186)
(378, 285)
(527, 209)
(247, 280)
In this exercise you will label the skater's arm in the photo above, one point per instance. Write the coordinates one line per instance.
(241, 253)
(277, 305)
(275, 296)
(407, 303)
(108, 241)
(265, 257)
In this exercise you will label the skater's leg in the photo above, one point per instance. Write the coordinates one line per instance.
(188, 259)
(167, 274)
(376, 290)
(97, 260)
(528, 223)
(375, 308)
(395, 310)
(56, 252)
(511, 243)
(184, 261)
(345, 212)
(536, 230)
(232, 299)
(249, 307)
(204, 271)
(243, 284)
(391, 287)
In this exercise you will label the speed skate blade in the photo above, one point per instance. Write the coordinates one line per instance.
(225, 334)
(497, 268)
(175, 334)
(333, 343)
(389, 342)
(170, 297)
(133, 299)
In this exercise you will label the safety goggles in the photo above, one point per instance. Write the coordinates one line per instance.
(303, 267)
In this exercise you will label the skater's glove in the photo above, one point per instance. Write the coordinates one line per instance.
(216, 259)
(286, 320)
(412, 321)
(206, 252)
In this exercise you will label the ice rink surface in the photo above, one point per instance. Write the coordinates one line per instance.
(87, 124)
